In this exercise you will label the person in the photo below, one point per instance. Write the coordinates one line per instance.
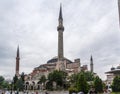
(7, 92)
(95, 92)
(105, 91)
(73, 93)
(80, 92)
(17, 92)
(36, 92)
(46, 92)
(92, 91)
(27, 92)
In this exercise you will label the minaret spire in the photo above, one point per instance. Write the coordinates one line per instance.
(119, 10)
(60, 13)
(18, 51)
(91, 64)
(60, 30)
(91, 59)
(17, 61)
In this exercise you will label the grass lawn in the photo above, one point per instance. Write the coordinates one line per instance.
(115, 93)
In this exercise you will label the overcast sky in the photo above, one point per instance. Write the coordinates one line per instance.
(91, 28)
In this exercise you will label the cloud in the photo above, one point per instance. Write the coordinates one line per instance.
(90, 28)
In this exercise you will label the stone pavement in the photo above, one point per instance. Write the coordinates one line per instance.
(49, 92)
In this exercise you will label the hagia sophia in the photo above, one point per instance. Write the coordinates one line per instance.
(59, 62)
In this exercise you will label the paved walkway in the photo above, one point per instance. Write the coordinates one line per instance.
(39, 92)
(49, 92)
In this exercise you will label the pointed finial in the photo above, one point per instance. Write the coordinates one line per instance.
(60, 13)
(18, 51)
(91, 58)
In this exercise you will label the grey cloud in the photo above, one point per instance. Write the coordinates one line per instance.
(91, 27)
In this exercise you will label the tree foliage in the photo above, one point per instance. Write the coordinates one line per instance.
(116, 84)
(20, 84)
(98, 84)
(82, 83)
(73, 79)
(42, 79)
(1, 79)
(89, 76)
(58, 77)
(23, 77)
(3, 83)
(15, 79)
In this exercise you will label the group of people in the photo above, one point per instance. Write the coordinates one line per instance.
(9, 92)
(15, 92)
(92, 91)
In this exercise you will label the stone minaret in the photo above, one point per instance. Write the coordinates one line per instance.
(119, 10)
(17, 62)
(91, 64)
(60, 30)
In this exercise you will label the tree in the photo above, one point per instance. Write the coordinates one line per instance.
(98, 84)
(1, 80)
(3, 83)
(116, 84)
(19, 84)
(73, 79)
(82, 83)
(23, 77)
(89, 76)
(58, 77)
(15, 79)
(42, 79)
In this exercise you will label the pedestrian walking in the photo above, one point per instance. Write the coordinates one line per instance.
(46, 92)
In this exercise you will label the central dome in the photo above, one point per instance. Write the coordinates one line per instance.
(55, 59)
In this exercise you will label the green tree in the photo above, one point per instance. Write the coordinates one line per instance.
(116, 84)
(73, 79)
(15, 79)
(89, 76)
(3, 83)
(98, 84)
(23, 77)
(42, 79)
(82, 83)
(19, 84)
(58, 77)
(1, 80)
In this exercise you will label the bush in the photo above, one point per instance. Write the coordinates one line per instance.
(72, 89)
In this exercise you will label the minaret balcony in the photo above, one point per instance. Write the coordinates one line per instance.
(60, 28)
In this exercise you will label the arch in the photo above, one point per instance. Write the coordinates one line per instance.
(26, 85)
(33, 82)
(38, 85)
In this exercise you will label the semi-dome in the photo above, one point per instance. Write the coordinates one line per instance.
(112, 68)
(55, 59)
(118, 67)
